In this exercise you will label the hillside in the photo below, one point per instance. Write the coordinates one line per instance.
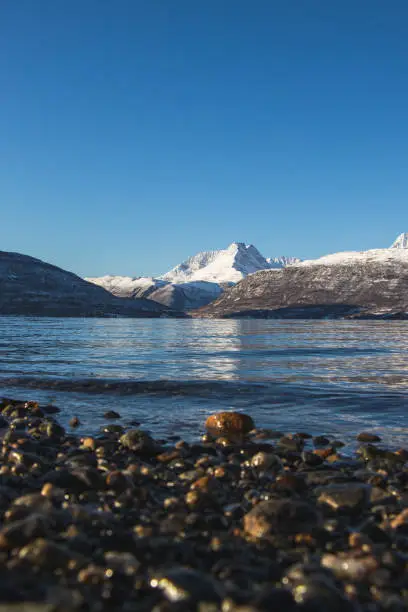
(30, 286)
(355, 284)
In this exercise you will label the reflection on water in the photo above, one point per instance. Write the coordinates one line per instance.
(335, 352)
(330, 375)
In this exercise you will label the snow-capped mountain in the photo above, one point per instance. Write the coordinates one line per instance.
(352, 284)
(401, 242)
(228, 265)
(198, 280)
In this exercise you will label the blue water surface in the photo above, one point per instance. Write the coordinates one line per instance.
(331, 377)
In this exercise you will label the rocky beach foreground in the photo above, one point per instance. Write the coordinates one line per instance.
(243, 520)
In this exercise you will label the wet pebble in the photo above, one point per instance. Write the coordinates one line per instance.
(138, 441)
(112, 414)
(365, 436)
(241, 521)
(74, 422)
(229, 424)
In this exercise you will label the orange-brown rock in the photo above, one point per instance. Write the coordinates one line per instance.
(324, 452)
(89, 443)
(168, 456)
(400, 519)
(206, 484)
(229, 424)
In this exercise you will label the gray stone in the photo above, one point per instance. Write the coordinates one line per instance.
(345, 497)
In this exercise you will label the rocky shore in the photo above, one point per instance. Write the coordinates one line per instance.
(243, 520)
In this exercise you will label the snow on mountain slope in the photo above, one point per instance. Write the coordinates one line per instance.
(126, 286)
(401, 242)
(281, 262)
(186, 295)
(383, 256)
(228, 265)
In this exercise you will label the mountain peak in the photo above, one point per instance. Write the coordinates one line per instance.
(228, 265)
(401, 242)
(238, 246)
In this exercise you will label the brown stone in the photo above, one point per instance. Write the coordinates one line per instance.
(400, 519)
(359, 540)
(333, 457)
(168, 456)
(324, 452)
(280, 516)
(89, 443)
(229, 424)
(205, 484)
(220, 472)
(365, 436)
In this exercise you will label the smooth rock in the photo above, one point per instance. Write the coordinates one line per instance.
(267, 461)
(365, 436)
(112, 414)
(277, 516)
(345, 497)
(138, 441)
(291, 444)
(229, 424)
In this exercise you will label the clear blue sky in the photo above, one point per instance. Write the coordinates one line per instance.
(134, 133)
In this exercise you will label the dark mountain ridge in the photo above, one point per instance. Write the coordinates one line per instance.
(371, 284)
(29, 286)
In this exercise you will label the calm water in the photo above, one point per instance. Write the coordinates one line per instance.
(332, 377)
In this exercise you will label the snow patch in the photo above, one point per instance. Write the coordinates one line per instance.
(401, 242)
(382, 256)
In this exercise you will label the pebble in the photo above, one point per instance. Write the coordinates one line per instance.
(112, 414)
(365, 436)
(229, 424)
(245, 520)
(345, 497)
(293, 444)
(350, 567)
(138, 441)
(267, 461)
(74, 422)
(278, 516)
